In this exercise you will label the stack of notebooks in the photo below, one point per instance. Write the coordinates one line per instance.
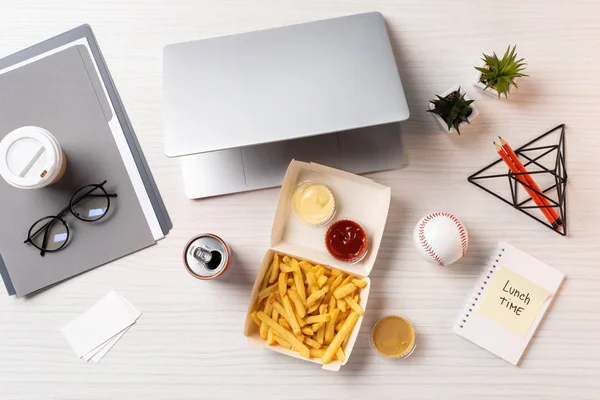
(63, 85)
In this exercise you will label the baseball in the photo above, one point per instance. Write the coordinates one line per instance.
(441, 238)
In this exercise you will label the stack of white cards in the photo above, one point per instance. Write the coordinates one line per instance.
(96, 331)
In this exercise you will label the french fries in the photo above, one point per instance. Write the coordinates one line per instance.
(285, 334)
(321, 334)
(290, 316)
(313, 308)
(332, 304)
(277, 305)
(282, 342)
(314, 353)
(354, 305)
(322, 280)
(334, 285)
(359, 283)
(274, 269)
(344, 291)
(265, 281)
(299, 306)
(301, 322)
(329, 328)
(339, 337)
(306, 267)
(341, 304)
(315, 296)
(308, 331)
(312, 343)
(311, 278)
(285, 324)
(285, 268)
(340, 354)
(323, 309)
(299, 280)
(317, 318)
(270, 337)
(264, 329)
(309, 309)
(339, 326)
(282, 284)
(266, 292)
(347, 280)
(258, 321)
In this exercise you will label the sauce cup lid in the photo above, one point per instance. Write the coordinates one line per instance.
(30, 157)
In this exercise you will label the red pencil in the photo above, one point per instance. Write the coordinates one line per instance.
(534, 196)
(530, 181)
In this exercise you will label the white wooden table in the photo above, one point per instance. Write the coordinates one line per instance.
(189, 342)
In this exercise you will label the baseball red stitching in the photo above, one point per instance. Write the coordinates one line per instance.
(426, 246)
(461, 231)
(428, 249)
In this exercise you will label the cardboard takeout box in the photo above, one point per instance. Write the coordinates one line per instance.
(357, 198)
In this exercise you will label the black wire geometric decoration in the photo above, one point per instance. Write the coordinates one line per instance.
(546, 164)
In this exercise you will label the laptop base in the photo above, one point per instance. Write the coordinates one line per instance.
(371, 149)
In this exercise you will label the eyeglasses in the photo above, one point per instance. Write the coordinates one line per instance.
(89, 204)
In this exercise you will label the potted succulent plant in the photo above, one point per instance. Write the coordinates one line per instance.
(452, 109)
(499, 75)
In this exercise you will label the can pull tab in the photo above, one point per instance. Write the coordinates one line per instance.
(201, 254)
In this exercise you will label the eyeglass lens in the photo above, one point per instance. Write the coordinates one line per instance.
(52, 230)
(90, 203)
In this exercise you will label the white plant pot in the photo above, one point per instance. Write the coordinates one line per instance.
(489, 91)
(443, 123)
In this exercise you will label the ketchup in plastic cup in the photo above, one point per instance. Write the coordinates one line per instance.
(346, 240)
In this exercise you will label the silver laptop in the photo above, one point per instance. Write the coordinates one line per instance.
(238, 108)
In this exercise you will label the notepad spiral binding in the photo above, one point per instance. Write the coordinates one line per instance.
(484, 278)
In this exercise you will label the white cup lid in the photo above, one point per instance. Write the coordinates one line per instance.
(30, 157)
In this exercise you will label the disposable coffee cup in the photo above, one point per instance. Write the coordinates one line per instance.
(31, 158)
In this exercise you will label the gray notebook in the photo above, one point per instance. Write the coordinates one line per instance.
(63, 93)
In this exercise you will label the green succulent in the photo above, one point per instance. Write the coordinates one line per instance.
(500, 74)
(454, 109)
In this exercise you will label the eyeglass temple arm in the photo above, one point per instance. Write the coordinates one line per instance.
(45, 240)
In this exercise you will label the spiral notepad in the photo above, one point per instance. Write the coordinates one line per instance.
(509, 301)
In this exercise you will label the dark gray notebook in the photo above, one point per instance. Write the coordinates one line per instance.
(63, 93)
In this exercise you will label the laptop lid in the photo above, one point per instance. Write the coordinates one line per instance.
(280, 84)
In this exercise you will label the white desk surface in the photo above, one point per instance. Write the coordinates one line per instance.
(189, 342)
